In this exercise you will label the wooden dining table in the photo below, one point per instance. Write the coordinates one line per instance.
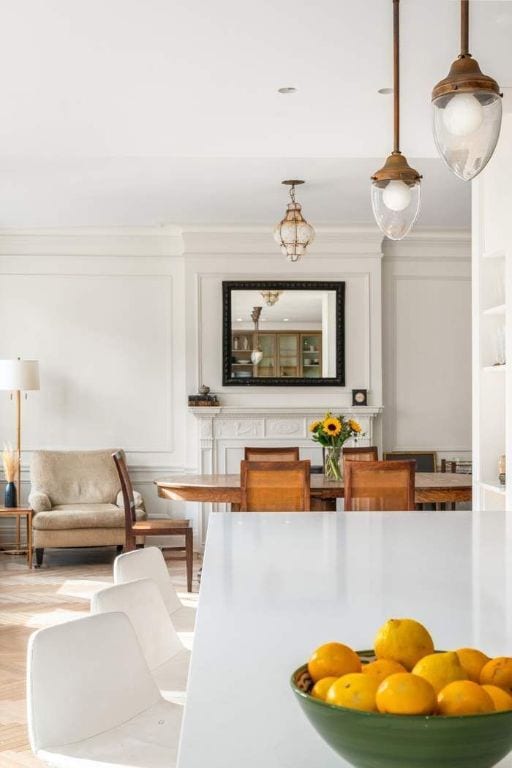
(430, 487)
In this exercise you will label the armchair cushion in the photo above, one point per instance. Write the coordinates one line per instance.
(73, 516)
(75, 477)
(137, 497)
(39, 501)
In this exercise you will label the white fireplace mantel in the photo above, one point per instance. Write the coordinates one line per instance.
(224, 431)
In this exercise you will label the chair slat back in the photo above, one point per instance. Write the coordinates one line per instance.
(367, 453)
(426, 461)
(379, 486)
(275, 486)
(271, 454)
(126, 487)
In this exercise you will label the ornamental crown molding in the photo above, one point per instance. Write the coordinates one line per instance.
(419, 244)
(358, 241)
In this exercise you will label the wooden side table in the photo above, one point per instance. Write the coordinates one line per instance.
(18, 513)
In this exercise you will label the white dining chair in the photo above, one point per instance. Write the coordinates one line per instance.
(147, 563)
(163, 650)
(92, 700)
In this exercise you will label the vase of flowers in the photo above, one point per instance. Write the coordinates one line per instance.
(11, 463)
(331, 433)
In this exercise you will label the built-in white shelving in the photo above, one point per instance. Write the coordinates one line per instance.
(494, 487)
(499, 309)
(492, 323)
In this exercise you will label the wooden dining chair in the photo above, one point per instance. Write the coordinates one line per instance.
(271, 454)
(366, 453)
(275, 486)
(426, 461)
(152, 527)
(448, 466)
(379, 486)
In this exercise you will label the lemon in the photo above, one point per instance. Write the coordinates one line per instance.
(472, 661)
(320, 689)
(333, 660)
(406, 694)
(355, 691)
(464, 697)
(440, 669)
(498, 672)
(403, 640)
(502, 699)
(383, 668)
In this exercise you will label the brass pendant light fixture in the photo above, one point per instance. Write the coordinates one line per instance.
(467, 111)
(396, 186)
(293, 233)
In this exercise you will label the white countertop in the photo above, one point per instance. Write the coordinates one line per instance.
(275, 586)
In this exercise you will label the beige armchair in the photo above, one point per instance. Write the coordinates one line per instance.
(77, 500)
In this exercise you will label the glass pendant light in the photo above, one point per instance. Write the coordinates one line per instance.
(396, 186)
(293, 233)
(466, 112)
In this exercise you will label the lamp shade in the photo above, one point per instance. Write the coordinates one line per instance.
(19, 375)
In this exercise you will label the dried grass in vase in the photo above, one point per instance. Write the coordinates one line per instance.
(11, 462)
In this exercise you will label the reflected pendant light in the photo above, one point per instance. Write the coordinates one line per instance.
(466, 112)
(396, 186)
(293, 233)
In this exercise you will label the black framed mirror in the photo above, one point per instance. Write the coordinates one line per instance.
(283, 333)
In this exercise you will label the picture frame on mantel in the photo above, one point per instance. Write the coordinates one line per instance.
(238, 371)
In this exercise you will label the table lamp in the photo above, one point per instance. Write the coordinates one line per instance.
(17, 376)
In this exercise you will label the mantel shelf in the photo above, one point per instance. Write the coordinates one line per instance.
(494, 368)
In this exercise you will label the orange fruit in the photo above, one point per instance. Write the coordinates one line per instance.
(440, 669)
(464, 697)
(403, 640)
(355, 691)
(383, 668)
(472, 660)
(502, 699)
(333, 660)
(498, 672)
(406, 694)
(320, 689)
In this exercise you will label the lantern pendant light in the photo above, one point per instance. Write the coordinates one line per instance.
(293, 233)
(467, 112)
(396, 186)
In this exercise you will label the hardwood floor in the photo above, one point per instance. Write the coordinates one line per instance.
(58, 591)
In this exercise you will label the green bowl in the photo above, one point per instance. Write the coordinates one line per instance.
(372, 740)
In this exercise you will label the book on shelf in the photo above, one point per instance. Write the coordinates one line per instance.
(203, 400)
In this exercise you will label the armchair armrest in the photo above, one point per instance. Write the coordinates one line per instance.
(39, 501)
(137, 497)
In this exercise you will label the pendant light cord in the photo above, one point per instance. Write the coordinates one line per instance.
(396, 73)
(464, 28)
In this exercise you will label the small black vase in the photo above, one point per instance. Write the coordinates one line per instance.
(10, 495)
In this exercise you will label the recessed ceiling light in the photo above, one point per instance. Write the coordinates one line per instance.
(285, 319)
(385, 91)
(287, 89)
(239, 319)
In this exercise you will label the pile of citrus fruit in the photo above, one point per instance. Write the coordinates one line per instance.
(409, 678)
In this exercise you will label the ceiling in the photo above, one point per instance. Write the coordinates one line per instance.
(166, 111)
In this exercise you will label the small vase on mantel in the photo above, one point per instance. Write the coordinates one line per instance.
(10, 495)
(333, 469)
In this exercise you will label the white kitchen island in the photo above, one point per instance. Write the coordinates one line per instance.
(275, 586)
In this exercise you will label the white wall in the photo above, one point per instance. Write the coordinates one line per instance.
(126, 323)
(427, 344)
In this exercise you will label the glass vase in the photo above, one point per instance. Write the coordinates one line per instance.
(332, 463)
